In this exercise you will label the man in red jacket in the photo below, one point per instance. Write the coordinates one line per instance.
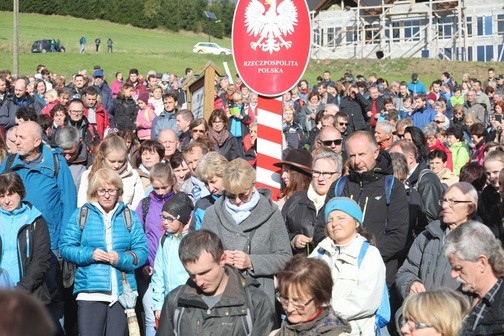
(94, 111)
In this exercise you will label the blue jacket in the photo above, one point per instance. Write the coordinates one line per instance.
(416, 88)
(77, 246)
(163, 121)
(422, 117)
(54, 196)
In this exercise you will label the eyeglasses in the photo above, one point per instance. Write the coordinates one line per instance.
(198, 131)
(400, 136)
(168, 219)
(450, 202)
(413, 325)
(328, 143)
(298, 305)
(343, 124)
(76, 111)
(102, 192)
(326, 175)
(218, 122)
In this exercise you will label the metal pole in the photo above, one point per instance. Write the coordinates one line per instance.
(15, 39)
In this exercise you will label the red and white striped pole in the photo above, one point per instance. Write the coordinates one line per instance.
(269, 143)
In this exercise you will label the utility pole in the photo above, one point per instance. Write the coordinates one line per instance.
(15, 40)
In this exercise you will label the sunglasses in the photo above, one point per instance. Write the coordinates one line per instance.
(198, 131)
(328, 143)
(343, 124)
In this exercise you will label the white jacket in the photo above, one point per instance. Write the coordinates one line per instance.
(133, 190)
(357, 291)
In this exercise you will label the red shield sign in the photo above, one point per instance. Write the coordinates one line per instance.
(271, 44)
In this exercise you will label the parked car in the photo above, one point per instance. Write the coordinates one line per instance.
(210, 48)
(49, 45)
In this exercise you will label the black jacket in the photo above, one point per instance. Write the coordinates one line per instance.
(389, 224)
(300, 216)
(356, 111)
(34, 248)
(10, 106)
(124, 112)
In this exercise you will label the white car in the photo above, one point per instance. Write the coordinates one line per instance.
(210, 48)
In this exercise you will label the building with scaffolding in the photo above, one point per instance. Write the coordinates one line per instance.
(464, 30)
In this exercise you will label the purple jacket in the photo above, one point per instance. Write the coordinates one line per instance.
(153, 226)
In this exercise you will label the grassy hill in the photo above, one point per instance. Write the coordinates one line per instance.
(165, 51)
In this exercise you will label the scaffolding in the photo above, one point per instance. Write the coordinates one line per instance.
(463, 30)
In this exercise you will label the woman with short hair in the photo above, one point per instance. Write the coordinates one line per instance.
(304, 291)
(222, 140)
(107, 245)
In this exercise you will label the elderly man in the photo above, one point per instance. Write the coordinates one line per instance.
(192, 153)
(50, 188)
(477, 262)
(383, 134)
(169, 139)
(425, 268)
(87, 132)
(474, 108)
(381, 198)
(21, 98)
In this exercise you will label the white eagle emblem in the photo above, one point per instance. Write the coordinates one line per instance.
(271, 26)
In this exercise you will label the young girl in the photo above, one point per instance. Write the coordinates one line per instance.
(169, 273)
(149, 212)
(51, 99)
(145, 117)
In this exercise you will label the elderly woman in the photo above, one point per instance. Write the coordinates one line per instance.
(106, 242)
(112, 153)
(301, 209)
(425, 268)
(24, 239)
(435, 313)
(357, 267)
(250, 226)
(304, 291)
(150, 153)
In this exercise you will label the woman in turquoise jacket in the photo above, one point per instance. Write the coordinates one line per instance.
(105, 240)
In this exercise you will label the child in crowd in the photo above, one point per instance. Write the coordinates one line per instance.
(169, 273)
(407, 108)
(145, 117)
(149, 212)
(157, 99)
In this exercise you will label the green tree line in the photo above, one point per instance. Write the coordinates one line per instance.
(174, 15)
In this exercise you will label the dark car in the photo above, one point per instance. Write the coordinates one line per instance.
(43, 46)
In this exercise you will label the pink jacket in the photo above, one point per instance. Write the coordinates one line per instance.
(144, 122)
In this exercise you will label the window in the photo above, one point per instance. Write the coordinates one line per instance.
(447, 27)
(484, 53)
(469, 26)
(500, 24)
(484, 25)
(351, 35)
(470, 54)
(411, 29)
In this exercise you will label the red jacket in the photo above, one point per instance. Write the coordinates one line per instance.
(440, 146)
(102, 119)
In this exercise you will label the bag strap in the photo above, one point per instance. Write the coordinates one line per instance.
(83, 215)
(8, 163)
(362, 253)
(340, 185)
(128, 220)
(56, 165)
(389, 184)
(250, 312)
(145, 210)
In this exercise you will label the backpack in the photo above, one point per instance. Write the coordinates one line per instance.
(343, 180)
(247, 320)
(11, 157)
(145, 210)
(383, 313)
(68, 268)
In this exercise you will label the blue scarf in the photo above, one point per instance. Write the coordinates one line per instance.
(240, 213)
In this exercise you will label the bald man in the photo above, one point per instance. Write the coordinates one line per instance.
(169, 139)
(21, 98)
(331, 138)
(50, 188)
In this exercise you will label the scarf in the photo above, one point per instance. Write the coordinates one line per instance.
(318, 200)
(218, 138)
(240, 213)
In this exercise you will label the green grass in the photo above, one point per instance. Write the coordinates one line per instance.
(165, 51)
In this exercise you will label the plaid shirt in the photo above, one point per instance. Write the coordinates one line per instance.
(477, 314)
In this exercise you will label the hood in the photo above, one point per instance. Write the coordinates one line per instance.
(382, 167)
(26, 213)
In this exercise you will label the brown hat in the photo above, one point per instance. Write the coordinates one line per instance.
(297, 158)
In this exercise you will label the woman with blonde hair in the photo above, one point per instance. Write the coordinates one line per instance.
(250, 226)
(112, 153)
(439, 312)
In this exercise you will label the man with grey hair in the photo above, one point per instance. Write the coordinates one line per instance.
(331, 109)
(474, 108)
(425, 269)
(383, 134)
(10, 141)
(75, 152)
(477, 262)
(20, 98)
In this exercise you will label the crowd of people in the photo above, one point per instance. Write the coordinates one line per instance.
(114, 198)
